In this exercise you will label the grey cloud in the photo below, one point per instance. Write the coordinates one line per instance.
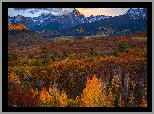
(33, 11)
(56, 10)
(47, 9)
(43, 13)
(32, 8)
(66, 11)
(21, 8)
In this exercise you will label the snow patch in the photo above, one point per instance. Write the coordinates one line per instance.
(137, 13)
(35, 20)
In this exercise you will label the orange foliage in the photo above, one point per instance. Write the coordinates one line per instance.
(14, 79)
(92, 94)
(143, 103)
(50, 99)
(17, 27)
(71, 73)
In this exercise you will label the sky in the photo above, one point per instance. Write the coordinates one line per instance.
(35, 12)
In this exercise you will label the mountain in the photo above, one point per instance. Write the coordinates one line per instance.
(76, 24)
(137, 13)
(52, 22)
(134, 20)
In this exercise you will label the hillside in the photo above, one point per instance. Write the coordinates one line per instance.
(72, 64)
(24, 37)
(119, 25)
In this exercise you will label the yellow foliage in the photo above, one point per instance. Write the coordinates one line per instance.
(14, 79)
(116, 81)
(53, 99)
(131, 102)
(44, 95)
(93, 96)
(121, 101)
(35, 92)
(46, 99)
(62, 99)
(74, 103)
(110, 98)
(143, 103)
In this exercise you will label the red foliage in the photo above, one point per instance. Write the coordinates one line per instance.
(22, 97)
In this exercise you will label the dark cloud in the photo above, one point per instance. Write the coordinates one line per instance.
(21, 9)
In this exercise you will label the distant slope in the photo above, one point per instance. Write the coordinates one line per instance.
(24, 38)
(120, 25)
(140, 34)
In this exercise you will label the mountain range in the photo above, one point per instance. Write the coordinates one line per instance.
(76, 24)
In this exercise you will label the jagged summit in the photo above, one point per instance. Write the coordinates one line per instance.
(74, 9)
(76, 12)
(73, 18)
(19, 16)
(137, 13)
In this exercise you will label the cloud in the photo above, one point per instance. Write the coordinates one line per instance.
(67, 10)
(48, 9)
(60, 11)
(21, 9)
(43, 13)
(85, 11)
(45, 9)
(33, 11)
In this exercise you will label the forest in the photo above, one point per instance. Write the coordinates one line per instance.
(94, 72)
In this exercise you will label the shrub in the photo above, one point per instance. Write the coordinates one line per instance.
(12, 57)
(115, 53)
(53, 57)
(92, 51)
(31, 56)
(24, 63)
(26, 84)
(54, 54)
(133, 45)
(45, 62)
(45, 52)
(36, 63)
(64, 54)
(121, 47)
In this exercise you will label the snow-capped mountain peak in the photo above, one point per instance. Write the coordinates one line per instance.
(137, 13)
(53, 22)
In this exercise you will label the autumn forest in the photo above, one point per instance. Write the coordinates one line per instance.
(107, 69)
